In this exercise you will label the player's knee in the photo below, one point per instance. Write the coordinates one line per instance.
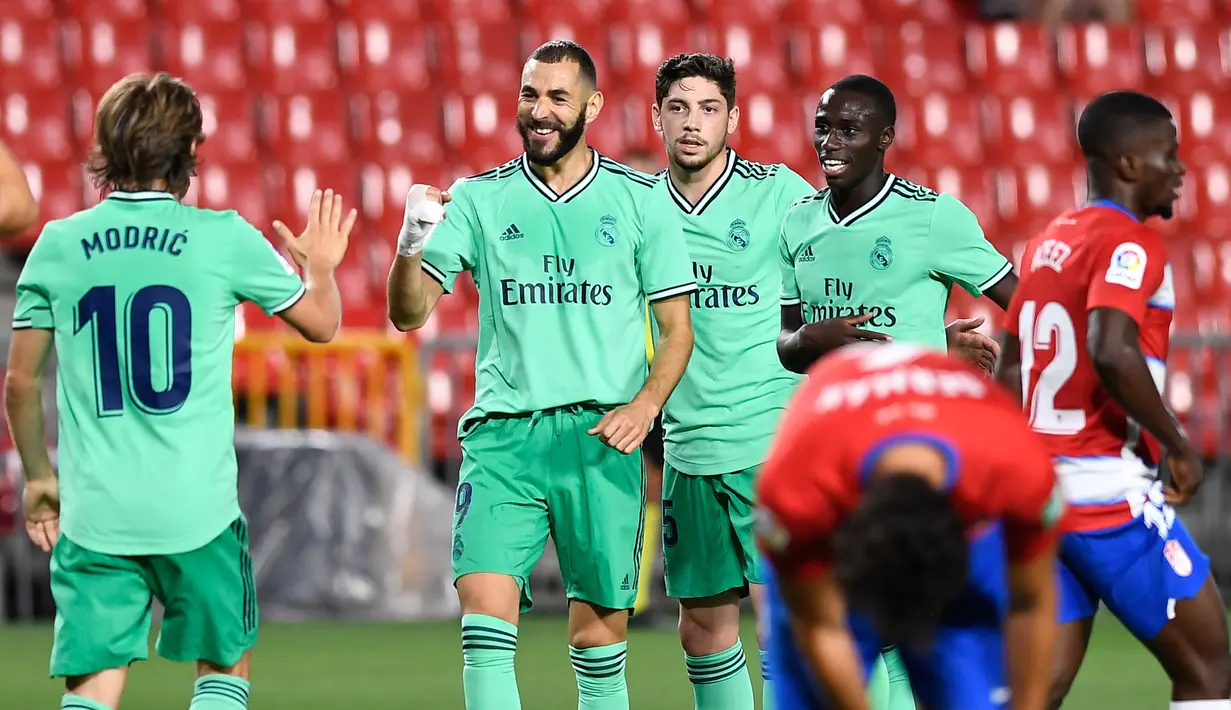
(1212, 677)
(495, 595)
(591, 626)
(710, 625)
(104, 687)
(238, 669)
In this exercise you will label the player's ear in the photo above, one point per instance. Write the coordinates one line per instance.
(1128, 167)
(886, 139)
(656, 118)
(594, 105)
(732, 120)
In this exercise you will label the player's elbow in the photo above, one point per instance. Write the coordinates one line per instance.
(1107, 357)
(788, 353)
(19, 388)
(404, 320)
(17, 214)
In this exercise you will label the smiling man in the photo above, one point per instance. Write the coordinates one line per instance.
(567, 246)
(874, 257)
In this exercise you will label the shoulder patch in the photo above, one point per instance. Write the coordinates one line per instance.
(1128, 266)
(912, 191)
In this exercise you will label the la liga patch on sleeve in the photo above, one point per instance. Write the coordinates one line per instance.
(1128, 266)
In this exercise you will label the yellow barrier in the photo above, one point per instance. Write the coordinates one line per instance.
(371, 373)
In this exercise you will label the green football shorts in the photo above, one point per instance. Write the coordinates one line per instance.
(104, 603)
(526, 476)
(708, 541)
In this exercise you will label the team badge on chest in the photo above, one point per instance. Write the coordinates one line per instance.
(607, 233)
(882, 254)
(738, 236)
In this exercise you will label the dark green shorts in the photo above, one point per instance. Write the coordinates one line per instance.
(708, 540)
(104, 603)
(525, 477)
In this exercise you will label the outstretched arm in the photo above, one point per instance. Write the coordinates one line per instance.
(18, 210)
(818, 618)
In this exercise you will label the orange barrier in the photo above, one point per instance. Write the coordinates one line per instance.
(361, 382)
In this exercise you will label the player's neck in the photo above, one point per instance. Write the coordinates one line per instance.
(566, 172)
(1120, 198)
(693, 184)
(847, 200)
(156, 186)
(913, 459)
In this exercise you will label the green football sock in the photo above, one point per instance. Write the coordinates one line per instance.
(80, 702)
(878, 685)
(720, 680)
(488, 647)
(600, 676)
(218, 691)
(901, 695)
(767, 690)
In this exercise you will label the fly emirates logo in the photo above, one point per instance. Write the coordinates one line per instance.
(906, 380)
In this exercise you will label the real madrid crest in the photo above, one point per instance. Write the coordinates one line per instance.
(607, 233)
(882, 254)
(737, 237)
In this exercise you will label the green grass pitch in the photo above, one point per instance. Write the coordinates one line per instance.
(394, 666)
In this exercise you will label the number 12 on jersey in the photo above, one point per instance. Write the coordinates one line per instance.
(1044, 329)
(153, 310)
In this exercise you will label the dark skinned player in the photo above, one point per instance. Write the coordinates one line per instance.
(1085, 348)
(874, 257)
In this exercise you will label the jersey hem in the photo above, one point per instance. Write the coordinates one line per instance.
(671, 291)
(1003, 272)
(299, 294)
(437, 275)
(112, 546)
(720, 468)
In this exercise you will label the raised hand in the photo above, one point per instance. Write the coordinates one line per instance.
(964, 340)
(324, 240)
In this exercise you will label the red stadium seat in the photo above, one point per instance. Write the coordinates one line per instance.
(293, 58)
(386, 56)
(38, 127)
(210, 57)
(306, 128)
(1204, 121)
(229, 123)
(479, 56)
(383, 188)
(609, 134)
(479, 131)
(1187, 59)
(929, 11)
(568, 12)
(974, 187)
(1012, 58)
(1175, 12)
(37, 10)
(633, 111)
(106, 10)
(918, 59)
(30, 59)
(1030, 197)
(638, 49)
(289, 11)
(107, 51)
(1182, 60)
(236, 187)
(759, 53)
(1024, 130)
(755, 14)
(395, 128)
(829, 52)
(397, 12)
(673, 14)
(940, 128)
(776, 128)
(59, 189)
(817, 13)
(483, 11)
(585, 31)
(1205, 204)
(203, 12)
(1095, 58)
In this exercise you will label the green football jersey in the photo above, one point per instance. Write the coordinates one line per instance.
(897, 258)
(563, 281)
(723, 414)
(141, 292)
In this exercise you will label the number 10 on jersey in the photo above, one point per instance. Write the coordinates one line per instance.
(1043, 329)
(153, 310)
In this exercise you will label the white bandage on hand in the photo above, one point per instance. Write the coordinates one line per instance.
(422, 216)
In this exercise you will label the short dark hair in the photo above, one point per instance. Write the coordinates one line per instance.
(1110, 119)
(717, 69)
(564, 50)
(901, 556)
(874, 89)
(144, 131)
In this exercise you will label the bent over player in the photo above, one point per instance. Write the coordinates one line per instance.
(897, 482)
(719, 421)
(566, 246)
(139, 295)
(1085, 346)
